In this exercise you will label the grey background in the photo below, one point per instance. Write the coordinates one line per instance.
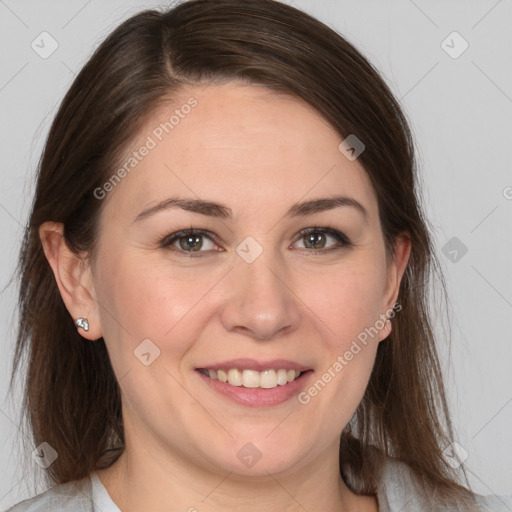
(460, 111)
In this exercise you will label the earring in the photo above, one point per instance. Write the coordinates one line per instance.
(83, 323)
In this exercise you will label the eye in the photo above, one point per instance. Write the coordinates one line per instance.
(316, 238)
(190, 241)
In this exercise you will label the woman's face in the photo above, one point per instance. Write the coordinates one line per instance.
(252, 170)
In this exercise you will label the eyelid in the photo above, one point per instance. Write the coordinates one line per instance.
(343, 241)
(170, 239)
(167, 241)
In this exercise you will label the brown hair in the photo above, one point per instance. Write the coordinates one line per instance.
(72, 399)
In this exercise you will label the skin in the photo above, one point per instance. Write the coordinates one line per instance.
(258, 153)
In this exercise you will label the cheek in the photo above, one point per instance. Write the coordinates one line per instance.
(350, 311)
(350, 301)
(141, 301)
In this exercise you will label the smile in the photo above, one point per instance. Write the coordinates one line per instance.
(266, 379)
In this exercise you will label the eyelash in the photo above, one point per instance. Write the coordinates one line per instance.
(341, 238)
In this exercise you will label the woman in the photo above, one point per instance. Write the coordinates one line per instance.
(224, 279)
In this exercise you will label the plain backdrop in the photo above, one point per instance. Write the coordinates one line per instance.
(456, 90)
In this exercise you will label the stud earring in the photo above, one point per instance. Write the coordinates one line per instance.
(83, 323)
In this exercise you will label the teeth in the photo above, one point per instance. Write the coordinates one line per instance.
(234, 377)
(251, 379)
(282, 379)
(266, 379)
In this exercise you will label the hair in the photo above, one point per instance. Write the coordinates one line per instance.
(71, 396)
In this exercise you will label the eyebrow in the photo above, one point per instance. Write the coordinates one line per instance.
(221, 211)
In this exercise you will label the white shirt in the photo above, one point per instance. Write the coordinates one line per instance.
(100, 497)
(398, 491)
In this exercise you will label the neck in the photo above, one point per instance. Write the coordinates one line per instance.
(147, 480)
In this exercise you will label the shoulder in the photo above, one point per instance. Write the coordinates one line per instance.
(495, 503)
(70, 497)
(400, 489)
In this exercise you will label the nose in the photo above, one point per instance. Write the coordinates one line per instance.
(259, 300)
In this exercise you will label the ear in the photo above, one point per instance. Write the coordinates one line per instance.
(395, 271)
(73, 276)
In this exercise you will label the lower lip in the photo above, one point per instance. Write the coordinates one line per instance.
(258, 397)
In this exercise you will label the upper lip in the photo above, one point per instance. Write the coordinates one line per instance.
(252, 364)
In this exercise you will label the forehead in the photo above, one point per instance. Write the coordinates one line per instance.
(238, 144)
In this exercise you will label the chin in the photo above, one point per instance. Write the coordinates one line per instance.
(257, 458)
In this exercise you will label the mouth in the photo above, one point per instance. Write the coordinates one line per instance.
(256, 384)
(266, 379)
